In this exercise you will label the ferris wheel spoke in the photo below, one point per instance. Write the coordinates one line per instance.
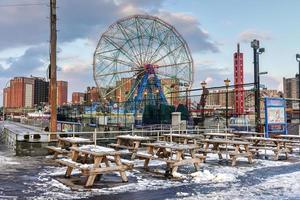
(151, 39)
(173, 65)
(116, 72)
(159, 47)
(105, 67)
(119, 48)
(134, 88)
(138, 31)
(169, 53)
(114, 60)
(171, 76)
(129, 40)
(103, 52)
(122, 84)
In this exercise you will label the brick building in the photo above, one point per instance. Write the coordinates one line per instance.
(78, 97)
(62, 93)
(92, 95)
(20, 93)
(24, 92)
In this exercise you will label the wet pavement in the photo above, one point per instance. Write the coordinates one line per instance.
(37, 178)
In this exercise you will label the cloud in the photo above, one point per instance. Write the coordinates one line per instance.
(189, 27)
(248, 35)
(77, 20)
(29, 63)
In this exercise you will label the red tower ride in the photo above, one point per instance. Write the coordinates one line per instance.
(238, 82)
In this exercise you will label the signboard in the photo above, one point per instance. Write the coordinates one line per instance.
(295, 105)
(275, 116)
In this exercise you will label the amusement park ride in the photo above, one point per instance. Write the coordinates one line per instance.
(143, 50)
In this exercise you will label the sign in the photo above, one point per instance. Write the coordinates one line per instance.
(275, 116)
(295, 105)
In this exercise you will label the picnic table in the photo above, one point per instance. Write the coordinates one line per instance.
(181, 138)
(173, 154)
(130, 142)
(64, 143)
(99, 154)
(278, 146)
(231, 148)
(218, 135)
(248, 134)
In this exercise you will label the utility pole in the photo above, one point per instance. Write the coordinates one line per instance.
(53, 83)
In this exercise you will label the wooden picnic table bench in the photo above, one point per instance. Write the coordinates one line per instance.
(262, 143)
(130, 142)
(218, 135)
(63, 143)
(163, 151)
(100, 154)
(248, 134)
(232, 148)
(181, 138)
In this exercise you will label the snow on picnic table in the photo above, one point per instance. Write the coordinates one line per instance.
(96, 148)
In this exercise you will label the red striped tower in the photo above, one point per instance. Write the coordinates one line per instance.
(238, 82)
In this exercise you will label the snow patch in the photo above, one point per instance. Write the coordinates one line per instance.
(199, 177)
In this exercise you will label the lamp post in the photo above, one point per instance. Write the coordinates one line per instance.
(227, 82)
(157, 105)
(203, 85)
(186, 85)
(298, 60)
(118, 104)
(256, 52)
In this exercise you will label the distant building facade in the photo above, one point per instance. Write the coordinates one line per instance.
(20, 93)
(62, 93)
(28, 92)
(92, 95)
(78, 97)
(290, 87)
(41, 91)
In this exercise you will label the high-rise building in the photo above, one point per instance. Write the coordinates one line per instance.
(78, 97)
(290, 87)
(20, 94)
(238, 82)
(62, 93)
(41, 91)
(7, 97)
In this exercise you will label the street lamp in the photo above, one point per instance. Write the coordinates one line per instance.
(298, 60)
(186, 85)
(157, 105)
(227, 82)
(203, 85)
(256, 52)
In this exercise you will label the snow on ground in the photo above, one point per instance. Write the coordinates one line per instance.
(203, 184)
(219, 175)
(5, 161)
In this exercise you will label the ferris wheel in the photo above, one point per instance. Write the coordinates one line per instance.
(137, 57)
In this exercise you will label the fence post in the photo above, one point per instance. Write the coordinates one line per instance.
(132, 129)
(171, 134)
(95, 137)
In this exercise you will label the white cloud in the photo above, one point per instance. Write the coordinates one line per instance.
(248, 35)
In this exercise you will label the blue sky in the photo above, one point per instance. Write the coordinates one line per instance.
(211, 28)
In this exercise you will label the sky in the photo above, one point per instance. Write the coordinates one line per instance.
(211, 28)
